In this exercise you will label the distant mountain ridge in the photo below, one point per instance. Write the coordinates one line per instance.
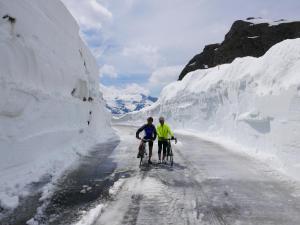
(122, 101)
(121, 106)
(250, 37)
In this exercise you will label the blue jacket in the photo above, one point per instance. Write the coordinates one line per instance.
(150, 132)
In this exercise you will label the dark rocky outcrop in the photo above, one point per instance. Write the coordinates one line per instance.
(251, 37)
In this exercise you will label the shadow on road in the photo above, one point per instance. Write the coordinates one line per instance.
(156, 166)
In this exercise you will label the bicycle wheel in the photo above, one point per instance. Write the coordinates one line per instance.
(141, 161)
(142, 155)
(168, 151)
(171, 157)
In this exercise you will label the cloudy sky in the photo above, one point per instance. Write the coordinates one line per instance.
(147, 42)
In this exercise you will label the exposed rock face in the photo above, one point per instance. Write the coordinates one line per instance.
(251, 37)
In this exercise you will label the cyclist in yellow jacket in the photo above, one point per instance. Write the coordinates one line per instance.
(163, 133)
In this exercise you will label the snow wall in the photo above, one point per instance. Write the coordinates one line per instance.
(46, 73)
(253, 102)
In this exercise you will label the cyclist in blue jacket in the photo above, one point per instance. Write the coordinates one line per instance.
(149, 134)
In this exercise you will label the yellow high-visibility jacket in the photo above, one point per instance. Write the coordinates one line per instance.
(163, 131)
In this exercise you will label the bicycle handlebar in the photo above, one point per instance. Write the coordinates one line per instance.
(146, 140)
(170, 139)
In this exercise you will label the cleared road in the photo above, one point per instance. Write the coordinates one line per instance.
(207, 185)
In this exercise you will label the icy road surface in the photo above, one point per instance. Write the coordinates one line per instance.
(207, 185)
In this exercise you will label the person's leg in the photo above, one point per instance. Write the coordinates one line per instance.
(164, 149)
(150, 149)
(159, 149)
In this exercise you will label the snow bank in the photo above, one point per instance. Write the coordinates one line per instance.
(254, 102)
(260, 20)
(46, 73)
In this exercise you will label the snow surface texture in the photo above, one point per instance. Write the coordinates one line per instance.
(46, 72)
(121, 101)
(260, 20)
(253, 102)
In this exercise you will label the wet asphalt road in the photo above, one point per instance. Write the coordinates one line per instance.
(78, 189)
(207, 185)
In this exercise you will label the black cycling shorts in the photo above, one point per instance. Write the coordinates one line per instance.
(162, 145)
(150, 144)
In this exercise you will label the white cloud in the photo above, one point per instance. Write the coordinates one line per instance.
(147, 54)
(135, 89)
(139, 37)
(90, 14)
(111, 92)
(165, 75)
(162, 77)
(108, 70)
(264, 12)
(139, 50)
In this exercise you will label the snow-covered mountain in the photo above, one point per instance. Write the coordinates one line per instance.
(252, 102)
(51, 109)
(250, 37)
(129, 99)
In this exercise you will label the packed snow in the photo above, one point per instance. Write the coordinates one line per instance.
(252, 102)
(253, 37)
(260, 20)
(51, 109)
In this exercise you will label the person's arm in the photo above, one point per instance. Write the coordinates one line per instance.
(158, 132)
(170, 132)
(139, 131)
(155, 134)
(172, 135)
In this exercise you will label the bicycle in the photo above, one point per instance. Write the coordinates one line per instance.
(142, 150)
(170, 155)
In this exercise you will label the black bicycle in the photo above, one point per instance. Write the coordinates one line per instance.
(170, 154)
(142, 150)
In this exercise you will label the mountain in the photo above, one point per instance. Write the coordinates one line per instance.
(119, 106)
(130, 99)
(251, 37)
